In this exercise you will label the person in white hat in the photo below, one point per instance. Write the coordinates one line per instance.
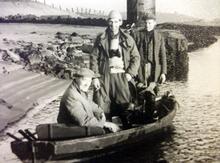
(116, 58)
(77, 109)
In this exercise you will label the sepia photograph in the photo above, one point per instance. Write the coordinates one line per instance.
(118, 81)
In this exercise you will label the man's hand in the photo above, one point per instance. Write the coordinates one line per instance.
(128, 76)
(96, 83)
(112, 126)
(162, 78)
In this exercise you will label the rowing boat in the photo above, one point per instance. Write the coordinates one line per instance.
(88, 147)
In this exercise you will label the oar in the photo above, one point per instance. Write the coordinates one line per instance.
(14, 137)
(25, 135)
(30, 134)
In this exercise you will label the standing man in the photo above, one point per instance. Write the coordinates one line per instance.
(151, 47)
(153, 66)
(77, 109)
(116, 58)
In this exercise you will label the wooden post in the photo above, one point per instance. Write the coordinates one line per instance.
(136, 9)
(132, 11)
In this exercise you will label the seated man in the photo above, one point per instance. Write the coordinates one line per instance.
(77, 109)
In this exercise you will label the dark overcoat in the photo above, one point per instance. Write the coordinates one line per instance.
(159, 52)
(100, 54)
(99, 62)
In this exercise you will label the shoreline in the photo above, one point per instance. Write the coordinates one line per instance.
(31, 119)
(21, 91)
(199, 36)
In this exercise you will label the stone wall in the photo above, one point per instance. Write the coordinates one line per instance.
(177, 56)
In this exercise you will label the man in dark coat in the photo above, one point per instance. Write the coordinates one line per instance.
(116, 58)
(77, 109)
(153, 68)
(151, 46)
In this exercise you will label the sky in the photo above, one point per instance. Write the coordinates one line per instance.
(204, 9)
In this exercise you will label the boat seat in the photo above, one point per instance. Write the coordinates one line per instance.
(57, 131)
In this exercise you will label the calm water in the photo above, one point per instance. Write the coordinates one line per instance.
(195, 136)
(197, 125)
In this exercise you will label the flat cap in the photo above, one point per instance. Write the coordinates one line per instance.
(85, 72)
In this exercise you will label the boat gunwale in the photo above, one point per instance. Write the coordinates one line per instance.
(100, 142)
(142, 126)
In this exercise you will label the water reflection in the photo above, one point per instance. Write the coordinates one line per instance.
(204, 74)
(197, 124)
(152, 150)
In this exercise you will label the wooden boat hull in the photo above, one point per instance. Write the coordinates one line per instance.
(90, 146)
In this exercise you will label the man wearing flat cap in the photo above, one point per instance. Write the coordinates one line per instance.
(151, 47)
(116, 58)
(76, 108)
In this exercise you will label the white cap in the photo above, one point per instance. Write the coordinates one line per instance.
(114, 15)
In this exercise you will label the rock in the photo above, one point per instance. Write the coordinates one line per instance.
(40, 45)
(64, 45)
(60, 36)
(88, 37)
(74, 34)
(34, 58)
(59, 33)
(77, 40)
(51, 48)
(177, 56)
(4, 55)
(70, 50)
(87, 48)
(14, 57)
